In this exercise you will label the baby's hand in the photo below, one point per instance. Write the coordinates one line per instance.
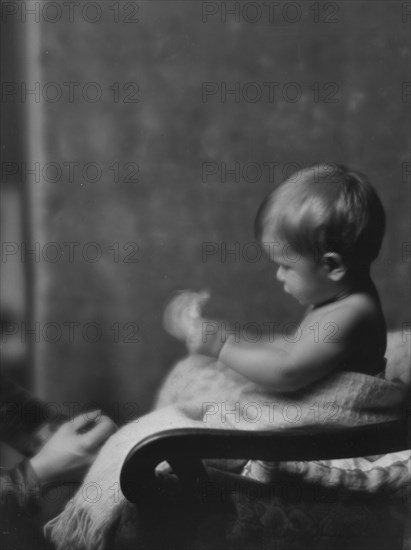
(205, 338)
(182, 316)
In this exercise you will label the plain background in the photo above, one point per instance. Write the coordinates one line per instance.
(349, 60)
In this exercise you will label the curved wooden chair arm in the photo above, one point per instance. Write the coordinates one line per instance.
(184, 449)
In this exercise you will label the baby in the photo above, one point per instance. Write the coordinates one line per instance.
(323, 230)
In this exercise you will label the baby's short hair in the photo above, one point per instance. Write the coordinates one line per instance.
(325, 208)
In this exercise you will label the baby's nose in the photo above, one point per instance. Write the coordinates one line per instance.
(280, 274)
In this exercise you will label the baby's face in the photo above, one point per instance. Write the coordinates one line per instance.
(302, 277)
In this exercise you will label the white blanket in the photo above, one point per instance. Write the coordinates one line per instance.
(204, 394)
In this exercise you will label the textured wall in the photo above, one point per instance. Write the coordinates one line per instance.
(169, 133)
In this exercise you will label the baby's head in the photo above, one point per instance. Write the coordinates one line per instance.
(328, 211)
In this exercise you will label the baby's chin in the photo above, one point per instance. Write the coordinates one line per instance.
(290, 294)
(302, 301)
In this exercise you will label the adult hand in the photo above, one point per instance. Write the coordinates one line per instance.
(72, 449)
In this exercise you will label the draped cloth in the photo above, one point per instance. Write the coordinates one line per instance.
(201, 393)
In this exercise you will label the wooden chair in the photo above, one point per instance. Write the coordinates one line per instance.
(187, 510)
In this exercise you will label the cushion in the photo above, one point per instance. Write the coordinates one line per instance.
(388, 472)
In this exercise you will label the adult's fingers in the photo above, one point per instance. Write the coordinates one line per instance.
(103, 428)
(83, 420)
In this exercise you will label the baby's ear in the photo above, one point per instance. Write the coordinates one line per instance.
(334, 265)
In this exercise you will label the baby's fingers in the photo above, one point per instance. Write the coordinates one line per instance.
(173, 318)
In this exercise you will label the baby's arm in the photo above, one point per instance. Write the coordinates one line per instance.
(326, 339)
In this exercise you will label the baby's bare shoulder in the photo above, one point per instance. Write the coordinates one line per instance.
(349, 313)
(359, 304)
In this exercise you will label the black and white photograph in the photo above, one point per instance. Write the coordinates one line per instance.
(205, 275)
